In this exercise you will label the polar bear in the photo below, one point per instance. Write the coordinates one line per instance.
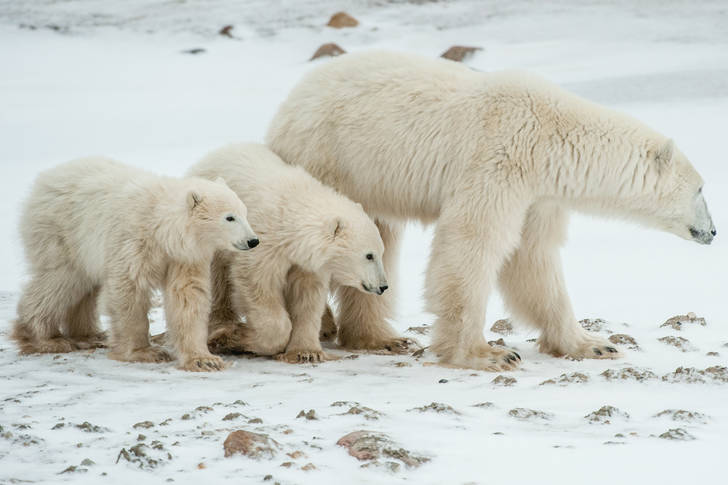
(498, 160)
(93, 223)
(312, 236)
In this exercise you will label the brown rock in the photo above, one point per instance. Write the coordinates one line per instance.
(459, 52)
(503, 327)
(226, 31)
(252, 445)
(328, 50)
(677, 322)
(342, 19)
(370, 446)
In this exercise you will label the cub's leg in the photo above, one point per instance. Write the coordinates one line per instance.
(362, 318)
(305, 296)
(470, 245)
(532, 283)
(128, 305)
(82, 322)
(328, 326)
(187, 310)
(43, 308)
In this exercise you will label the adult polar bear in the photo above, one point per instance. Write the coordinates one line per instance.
(497, 160)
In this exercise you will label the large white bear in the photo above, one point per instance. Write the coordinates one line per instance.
(94, 223)
(311, 236)
(498, 160)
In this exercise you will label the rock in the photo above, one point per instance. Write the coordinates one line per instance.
(624, 339)
(683, 416)
(310, 415)
(87, 462)
(370, 446)
(606, 414)
(327, 50)
(497, 343)
(504, 381)
(691, 375)
(194, 51)
(231, 416)
(436, 407)
(486, 405)
(717, 373)
(678, 434)
(90, 428)
(712, 354)
(679, 342)
(252, 445)
(308, 467)
(226, 31)
(443, 381)
(144, 425)
(422, 330)
(564, 379)
(145, 456)
(593, 324)
(356, 409)
(628, 373)
(459, 52)
(528, 414)
(677, 322)
(255, 421)
(503, 326)
(341, 20)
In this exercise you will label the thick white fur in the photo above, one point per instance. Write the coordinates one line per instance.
(94, 223)
(497, 160)
(311, 236)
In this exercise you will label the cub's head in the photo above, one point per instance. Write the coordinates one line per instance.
(677, 204)
(356, 250)
(218, 216)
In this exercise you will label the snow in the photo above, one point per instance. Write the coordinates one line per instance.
(112, 80)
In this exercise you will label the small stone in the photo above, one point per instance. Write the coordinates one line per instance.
(679, 342)
(227, 31)
(606, 414)
(231, 416)
(309, 415)
(255, 421)
(503, 327)
(564, 379)
(194, 51)
(677, 322)
(443, 381)
(308, 467)
(287, 464)
(505, 381)
(529, 414)
(328, 50)
(486, 405)
(87, 462)
(296, 454)
(402, 364)
(436, 407)
(141, 437)
(253, 445)
(712, 354)
(624, 339)
(144, 425)
(459, 52)
(341, 20)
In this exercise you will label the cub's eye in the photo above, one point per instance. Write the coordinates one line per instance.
(230, 218)
(700, 190)
(370, 256)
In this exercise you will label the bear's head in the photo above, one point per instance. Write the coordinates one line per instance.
(355, 252)
(217, 218)
(674, 199)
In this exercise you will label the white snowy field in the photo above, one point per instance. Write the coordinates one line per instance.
(83, 77)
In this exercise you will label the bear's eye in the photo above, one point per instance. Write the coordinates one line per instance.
(700, 190)
(370, 256)
(230, 218)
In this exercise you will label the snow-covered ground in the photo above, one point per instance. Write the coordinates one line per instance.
(84, 77)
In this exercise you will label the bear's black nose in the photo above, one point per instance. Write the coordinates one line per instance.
(714, 232)
(253, 242)
(382, 288)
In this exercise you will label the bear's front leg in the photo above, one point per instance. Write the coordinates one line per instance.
(467, 251)
(187, 310)
(305, 296)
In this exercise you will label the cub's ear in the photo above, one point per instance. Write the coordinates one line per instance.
(664, 154)
(193, 199)
(334, 227)
(221, 181)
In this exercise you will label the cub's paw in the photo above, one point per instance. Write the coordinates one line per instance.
(305, 357)
(487, 358)
(399, 345)
(328, 326)
(97, 341)
(152, 354)
(227, 339)
(58, 345)
(595, 349)
(203, 363)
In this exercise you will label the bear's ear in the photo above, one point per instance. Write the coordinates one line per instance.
(333, 227)
(193, 199)
(221, 181)
(664, 154)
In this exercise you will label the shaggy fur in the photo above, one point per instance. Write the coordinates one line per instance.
(311, 236)
(497, 160)
(94, 223)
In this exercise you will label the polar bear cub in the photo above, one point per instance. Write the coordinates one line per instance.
(311, 236)
(93, 223)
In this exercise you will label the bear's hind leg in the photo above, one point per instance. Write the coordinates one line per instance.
(42, 309)
(362, 319)
(82, 322)
(469, 247)
(533, 288)
(328, 325)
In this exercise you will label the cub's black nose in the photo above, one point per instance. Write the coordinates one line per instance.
(714, 232)
(253, 242)
(382, 288)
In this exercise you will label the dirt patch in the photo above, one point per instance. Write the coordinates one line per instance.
(145, 456)
(422, 330)
(678, 342)
(606, 414)
(677, 434)
(624, 339)
(435, 407)
(565, 379)
(358, 410)
(692, 375)
(628, 373)
(525, 414)
(679, 321)
(503, 327)
(593, 324)
(683, 415)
